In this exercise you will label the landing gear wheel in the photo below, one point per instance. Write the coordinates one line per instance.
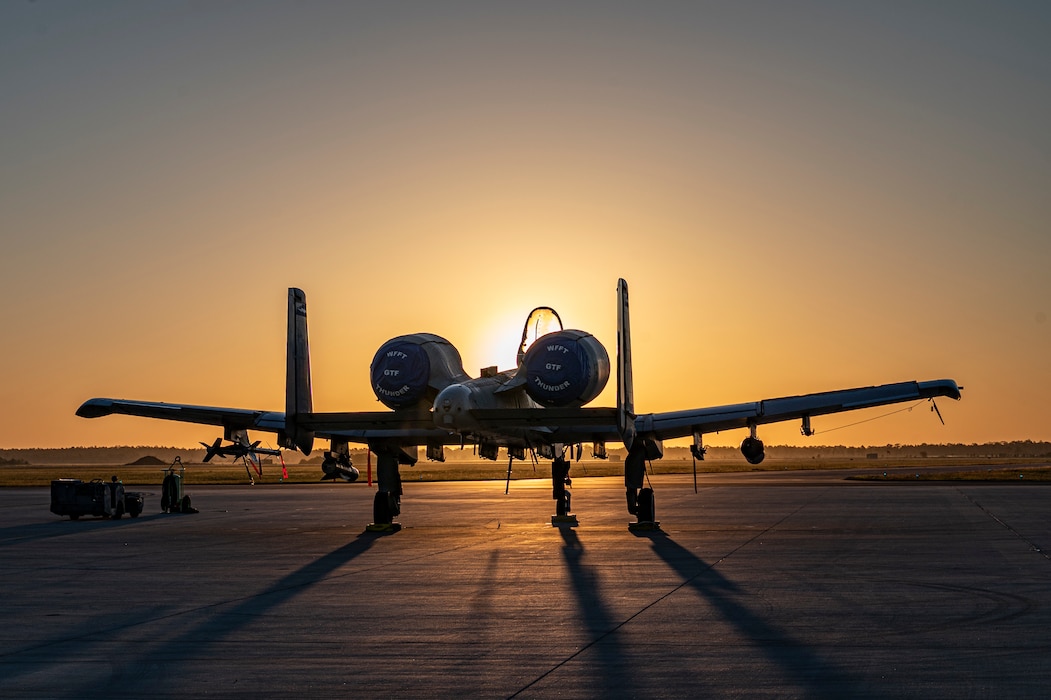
(647, 506)
(385, 506)
(633, 501)
(560, 483)
(562, 507)
(382, 513)
(645, 510)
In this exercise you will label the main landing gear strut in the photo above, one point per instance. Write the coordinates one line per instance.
(640, 499)
(560, 483)
(386, 505)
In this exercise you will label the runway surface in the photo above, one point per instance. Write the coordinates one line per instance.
(782, 585)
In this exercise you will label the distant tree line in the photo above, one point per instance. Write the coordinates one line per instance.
(129, 454)
(1022, 448)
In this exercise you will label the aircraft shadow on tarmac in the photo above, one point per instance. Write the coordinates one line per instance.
(224, 621)
(802, 666)
(608, 660)
(33, 532)
(611, 671)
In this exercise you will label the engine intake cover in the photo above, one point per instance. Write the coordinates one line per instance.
(565, 369)
(413, 368)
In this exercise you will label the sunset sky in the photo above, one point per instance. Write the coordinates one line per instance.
(802, 196)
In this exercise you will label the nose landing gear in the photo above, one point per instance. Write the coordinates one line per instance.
(560, 483)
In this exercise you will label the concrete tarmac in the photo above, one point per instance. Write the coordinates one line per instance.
(760, 585)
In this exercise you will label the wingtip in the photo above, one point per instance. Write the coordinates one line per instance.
(941, 387)
(95, 408)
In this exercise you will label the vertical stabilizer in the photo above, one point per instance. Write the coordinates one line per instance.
(298, 395)
(625, 391)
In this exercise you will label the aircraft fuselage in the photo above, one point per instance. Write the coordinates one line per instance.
(454, 406)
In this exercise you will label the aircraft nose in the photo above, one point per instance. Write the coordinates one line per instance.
(451, 406)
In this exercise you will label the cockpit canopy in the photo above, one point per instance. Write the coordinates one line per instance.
(541, 321)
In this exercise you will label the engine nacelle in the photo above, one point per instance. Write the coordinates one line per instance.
(752, 449)
(412, 369)
(565, 369)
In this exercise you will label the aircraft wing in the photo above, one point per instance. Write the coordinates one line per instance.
(570, 425)
(206, 415)
(360, 426)
(707, 420)
(552, 425)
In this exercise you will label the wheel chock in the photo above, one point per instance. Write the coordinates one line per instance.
(645, 526)
(383, 527)
(564, 520)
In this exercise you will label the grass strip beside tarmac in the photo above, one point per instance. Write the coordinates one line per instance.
(935, 469)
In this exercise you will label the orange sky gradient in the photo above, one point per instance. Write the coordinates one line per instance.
(801, 198)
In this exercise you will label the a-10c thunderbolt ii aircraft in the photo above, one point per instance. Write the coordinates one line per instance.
(539, 406)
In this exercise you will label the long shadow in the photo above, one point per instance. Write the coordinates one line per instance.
(479, 621)
(803, 666)
(20, 534)
(609, 670)
(224, 621)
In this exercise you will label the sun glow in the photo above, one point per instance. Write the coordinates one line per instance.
(493, 343)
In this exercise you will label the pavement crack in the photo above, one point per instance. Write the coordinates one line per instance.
(1032, 545)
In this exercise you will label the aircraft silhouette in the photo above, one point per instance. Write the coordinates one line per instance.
(539, 407)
